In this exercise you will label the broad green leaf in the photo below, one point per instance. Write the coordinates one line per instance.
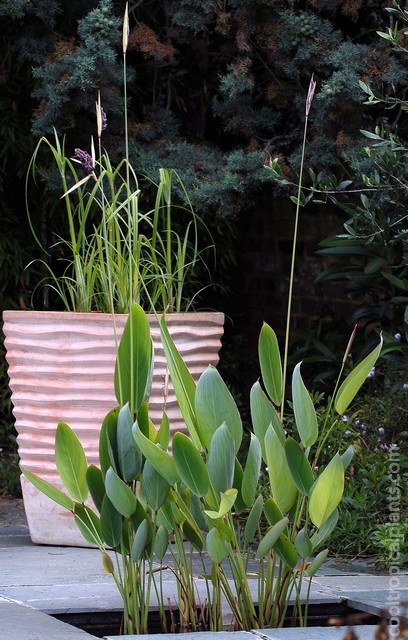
(129, 455)
(197, 512)
(286, 551)
(270, 538)
(263, 413)
(190, 465)
(226, 504)
(305, 414)
(163, 435)
(71, 462)
(183, 383)
(253, 519)
(221, 459)
(251, 471)
(303, 544)
(355, 380)
(155, 487)
(299, 466)
(88, 523)
(161, 542)
(325, 530)
(317, 562)
(107, 442)
(217, 547)
(49, 490)
(111, 524)
(240, 505)
(283, 489)
(327, 492)
(214, 405)
(96, 485)
(161, 460)
(141, 540)
(347, 456)
(120, 494)
(272, 512)
(270, 363)
(193, 536)
(134, 361)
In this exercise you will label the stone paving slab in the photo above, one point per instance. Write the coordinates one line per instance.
(363, 632)
(20, 622)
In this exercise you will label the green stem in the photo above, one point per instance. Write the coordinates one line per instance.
(292, 270)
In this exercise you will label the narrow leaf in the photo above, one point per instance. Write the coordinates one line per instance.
(155, 487)
(253, 520)
(283, 489)
(96, 485)
(355, 380)
(271, 537)
(317, 562)
(217, 547)
(190, 465)
(71, 462)
(49, 490)
(161, 460)
(120, 494)
(141, 540)
(111, 524)
(299, 466)
(214, 405)
(270, 363)
(221, 459)
(327, 492)
(88, 523)
(251, 471)
(263, 413)
(305, 414)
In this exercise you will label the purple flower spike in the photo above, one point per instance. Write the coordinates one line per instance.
(310, 94)
(104, 119)
(85, 160)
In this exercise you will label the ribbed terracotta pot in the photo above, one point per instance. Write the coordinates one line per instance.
(60, 366)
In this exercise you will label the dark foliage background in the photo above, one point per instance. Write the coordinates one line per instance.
(215, 89)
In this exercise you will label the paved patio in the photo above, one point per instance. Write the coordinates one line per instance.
(38, 583)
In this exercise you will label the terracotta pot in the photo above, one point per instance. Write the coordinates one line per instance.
(61, 368)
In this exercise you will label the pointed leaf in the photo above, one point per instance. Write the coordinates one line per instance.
(305, 414)
(347, 456)
(141, 540)
(163, 436)
(271, 537)
(317, 562)
(129, 455)
(303, 544)
(183, 383)
(107, 438)
(286, 551)
(217, 547)
(49, 490)
(355, 380)
(88, 523)
(226, 504)
(253, 520)
(96, 485)
(327, 492)
(155, 487)
(251, 471)
(325, 530)
(71, 462)
(214, 405)
(120, 494)
(111, 524)
(263, 413)
(272, 512)
(190, 465)
(270, 363)
(221, 459)
(133, 370)
(299, 466)
(283, 489)
(161, 460)
(161, 542)
(240, 505)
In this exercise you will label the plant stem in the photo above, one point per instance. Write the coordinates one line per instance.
(292, 270)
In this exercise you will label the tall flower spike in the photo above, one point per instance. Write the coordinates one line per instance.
(125, 36)
(99, 115)
(310, 94)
